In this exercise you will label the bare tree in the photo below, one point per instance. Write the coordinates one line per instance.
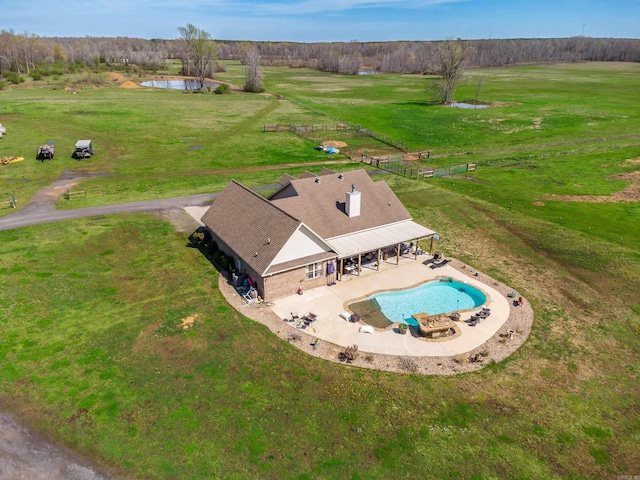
(448, 64)
(253, 79)
(199, 51)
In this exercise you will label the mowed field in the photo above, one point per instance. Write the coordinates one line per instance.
(93, 355)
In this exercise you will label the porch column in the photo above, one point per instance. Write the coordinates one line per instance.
(359, 263)
(398, 254)
(415, 256)
(340, 270)
(378, 259)
(431, 247)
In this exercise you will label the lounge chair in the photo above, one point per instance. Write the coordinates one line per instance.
(440, 264)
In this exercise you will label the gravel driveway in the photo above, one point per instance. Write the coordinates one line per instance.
(25, 455)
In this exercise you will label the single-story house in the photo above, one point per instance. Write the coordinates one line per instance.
(311, 231)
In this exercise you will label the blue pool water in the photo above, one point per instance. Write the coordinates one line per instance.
(431, 298)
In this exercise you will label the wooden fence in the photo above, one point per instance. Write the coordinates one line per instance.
(401, 166)
(305, 129)
(310, 131)
(10, 203)
(79, 192)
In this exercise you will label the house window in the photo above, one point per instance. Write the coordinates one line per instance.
(314, 270)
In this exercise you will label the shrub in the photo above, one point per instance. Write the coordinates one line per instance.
(36, 76)
(407, 364)
(12, 77)
(223, 261)
(212, 247)
(222, 89)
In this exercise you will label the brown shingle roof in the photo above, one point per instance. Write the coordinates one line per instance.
(319, 203)
(250, 224)
(285, 179)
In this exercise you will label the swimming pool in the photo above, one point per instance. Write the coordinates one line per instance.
(441, 296)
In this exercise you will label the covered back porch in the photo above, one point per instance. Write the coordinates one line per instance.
(370, 248)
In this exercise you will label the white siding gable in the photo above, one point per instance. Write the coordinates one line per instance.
(301, 244)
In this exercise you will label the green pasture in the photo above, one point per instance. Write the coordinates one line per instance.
(566, 129)
(91, 352)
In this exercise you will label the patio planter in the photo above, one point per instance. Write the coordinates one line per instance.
(402, 329)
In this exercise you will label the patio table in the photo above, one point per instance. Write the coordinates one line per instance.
(351, 269)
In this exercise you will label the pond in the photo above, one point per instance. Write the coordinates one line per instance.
(182, 84)
(467, 105)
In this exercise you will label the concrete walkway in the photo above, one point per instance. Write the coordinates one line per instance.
(329, 301)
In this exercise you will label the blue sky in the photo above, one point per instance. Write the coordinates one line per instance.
(325, 20)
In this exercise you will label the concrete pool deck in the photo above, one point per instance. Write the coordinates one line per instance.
(329, 301)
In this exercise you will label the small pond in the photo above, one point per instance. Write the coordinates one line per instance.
(467, 105)
(183, 84)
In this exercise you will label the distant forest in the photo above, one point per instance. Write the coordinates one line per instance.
(23, 54)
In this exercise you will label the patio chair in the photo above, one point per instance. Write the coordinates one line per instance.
(473, 321)
(309, 318)
(251, 297)
(440, 264)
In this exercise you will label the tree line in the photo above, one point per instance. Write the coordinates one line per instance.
(21, 53)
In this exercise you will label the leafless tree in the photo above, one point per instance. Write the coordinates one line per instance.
(448, 65)
(253, 78)
(195, 49)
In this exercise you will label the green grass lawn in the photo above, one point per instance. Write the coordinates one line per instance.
(91, 352)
